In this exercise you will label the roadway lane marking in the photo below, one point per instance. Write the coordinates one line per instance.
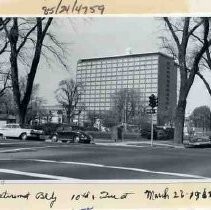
(7, 143)
(26, 149)
(123, 168)
(67, 162)
(38, 175)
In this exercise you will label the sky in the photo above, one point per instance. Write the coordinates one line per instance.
(107, 36)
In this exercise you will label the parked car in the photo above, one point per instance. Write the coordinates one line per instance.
(197, 139)
(67, 134)
(2, 137)
(47, 128)
(159, 132)
(15, 131)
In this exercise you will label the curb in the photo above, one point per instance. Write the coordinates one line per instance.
(138, 144)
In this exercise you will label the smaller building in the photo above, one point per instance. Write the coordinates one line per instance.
(50, 114)
(7, 118)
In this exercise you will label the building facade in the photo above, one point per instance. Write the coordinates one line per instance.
(150, 73)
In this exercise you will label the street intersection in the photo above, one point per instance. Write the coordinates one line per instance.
(34, 160)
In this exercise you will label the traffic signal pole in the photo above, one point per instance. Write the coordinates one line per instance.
(152, 128)
(153, 102)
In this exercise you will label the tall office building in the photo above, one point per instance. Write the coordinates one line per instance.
(150, 73)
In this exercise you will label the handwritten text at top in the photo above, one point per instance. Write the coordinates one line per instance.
(74, 7)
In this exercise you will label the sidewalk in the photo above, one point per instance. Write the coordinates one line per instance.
(140, 143)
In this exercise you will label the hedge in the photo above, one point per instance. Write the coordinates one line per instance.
(107, 135)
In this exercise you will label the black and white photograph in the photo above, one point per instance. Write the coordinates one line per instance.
(105, 98)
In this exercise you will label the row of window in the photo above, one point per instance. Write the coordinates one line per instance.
(109, 97)
(116, 83)
(113, 73)
(112, 86)
(103, 91)
(116, 69)
(118, 80)
(123, 81)
(130, 79)
(137, 88)
(105, 102)
(153, 64)
(111, 89)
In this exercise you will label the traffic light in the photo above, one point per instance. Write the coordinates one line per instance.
(153, 101)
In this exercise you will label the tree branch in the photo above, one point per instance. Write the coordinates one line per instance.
(166, 19)
(205, 82)
(26, 37)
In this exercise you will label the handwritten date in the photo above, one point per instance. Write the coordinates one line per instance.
(167, 194)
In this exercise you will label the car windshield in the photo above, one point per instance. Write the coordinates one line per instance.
(82, 133)
(12, 126)
(64, 128)
(15, 126)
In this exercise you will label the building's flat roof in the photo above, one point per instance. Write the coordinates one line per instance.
(125, 56)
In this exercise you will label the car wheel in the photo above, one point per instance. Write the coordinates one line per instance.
(76, 139)
(54, 138)
(23, 136)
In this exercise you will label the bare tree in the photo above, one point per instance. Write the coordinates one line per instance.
(7, 105)
(34, 109)
(126, 104)
(27, 42)
(68, 95)
(4, 82)
(189, 51)
(92, 116)
(4, 72)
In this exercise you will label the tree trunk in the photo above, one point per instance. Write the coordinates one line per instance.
(68, 116)
(179, 121)
(22, 115)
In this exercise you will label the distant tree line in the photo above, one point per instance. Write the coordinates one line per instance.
(201, 117)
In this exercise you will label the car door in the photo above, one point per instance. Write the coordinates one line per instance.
(9, 131)
(5, 130)
(72, 135)
(16, 129)
(12, 131)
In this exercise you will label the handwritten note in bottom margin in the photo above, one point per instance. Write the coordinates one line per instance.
(104, 196)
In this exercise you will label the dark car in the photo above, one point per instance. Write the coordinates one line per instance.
(2, 137)
(159, 132)
(66, 134)
(197, 139)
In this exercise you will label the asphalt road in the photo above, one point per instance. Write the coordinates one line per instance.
(34, 160)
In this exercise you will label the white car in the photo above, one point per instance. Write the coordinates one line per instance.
(15, 131)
